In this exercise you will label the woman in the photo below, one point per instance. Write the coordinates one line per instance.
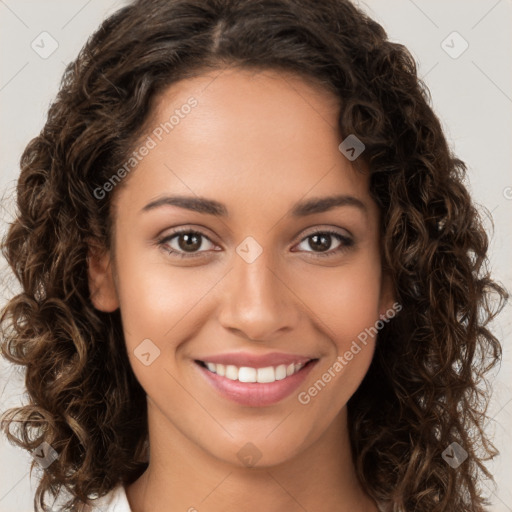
(253, 278)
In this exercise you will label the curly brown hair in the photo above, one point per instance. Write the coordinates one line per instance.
(426, 385)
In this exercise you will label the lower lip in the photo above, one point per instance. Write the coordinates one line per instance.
(254, 394)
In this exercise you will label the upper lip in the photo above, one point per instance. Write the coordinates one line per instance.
(241, 359)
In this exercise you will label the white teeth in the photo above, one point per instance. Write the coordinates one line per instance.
(221, 370)
(267, 374)
(231, 372)
(248, 374)
(281, 372)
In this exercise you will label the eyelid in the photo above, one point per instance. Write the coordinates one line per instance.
(326, 228)
(180, 228)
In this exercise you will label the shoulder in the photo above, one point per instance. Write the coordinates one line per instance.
(115, 501)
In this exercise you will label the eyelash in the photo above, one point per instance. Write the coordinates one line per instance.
(347, 243)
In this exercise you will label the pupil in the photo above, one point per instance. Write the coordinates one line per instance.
(323, 245)
(192, 242)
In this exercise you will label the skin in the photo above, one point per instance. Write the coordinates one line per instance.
(258, 142)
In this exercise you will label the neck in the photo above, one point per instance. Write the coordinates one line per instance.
(319, 478)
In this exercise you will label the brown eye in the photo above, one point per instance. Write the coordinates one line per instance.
(189, 242)
(185, 243)
(321, 241)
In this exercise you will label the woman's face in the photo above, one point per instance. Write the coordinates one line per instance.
(247, 166)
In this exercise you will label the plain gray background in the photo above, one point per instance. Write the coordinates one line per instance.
(471, 93)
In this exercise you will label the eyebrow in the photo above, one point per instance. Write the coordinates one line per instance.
(300, 209)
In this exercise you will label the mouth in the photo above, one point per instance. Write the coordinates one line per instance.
(255, 386)
(264, 375)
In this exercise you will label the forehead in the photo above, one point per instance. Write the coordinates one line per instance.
(250, 134)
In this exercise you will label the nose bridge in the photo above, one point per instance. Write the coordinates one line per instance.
(257, 302)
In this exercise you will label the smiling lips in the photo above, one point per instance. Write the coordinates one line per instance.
(255, 380)
(249, 374)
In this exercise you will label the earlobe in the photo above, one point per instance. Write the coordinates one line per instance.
(101, 280)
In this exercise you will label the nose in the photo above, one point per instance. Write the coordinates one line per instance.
(258, 302)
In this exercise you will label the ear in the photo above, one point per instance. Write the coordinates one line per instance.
(387, 295)
(101, 280)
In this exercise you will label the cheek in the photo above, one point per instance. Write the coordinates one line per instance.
(158, 306)
(155, 299)
(345, 299)
(346, 309)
